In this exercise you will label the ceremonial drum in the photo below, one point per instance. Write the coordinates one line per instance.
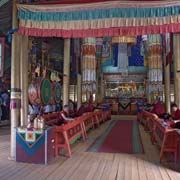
(56, 93)
(40, 92)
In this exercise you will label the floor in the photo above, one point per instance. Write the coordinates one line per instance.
(90, 166)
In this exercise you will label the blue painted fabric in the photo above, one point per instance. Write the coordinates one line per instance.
(136, 59)
(115, 55)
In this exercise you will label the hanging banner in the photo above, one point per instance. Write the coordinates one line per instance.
(110, 18)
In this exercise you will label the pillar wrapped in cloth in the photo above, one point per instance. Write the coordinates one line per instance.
(155, 74)
(40, 92)
(89, 64)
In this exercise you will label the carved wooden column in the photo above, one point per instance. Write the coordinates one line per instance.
(176, 58)
(66, 71)
(15, 84)
(167, 88)
(24, 79)
(79, 91)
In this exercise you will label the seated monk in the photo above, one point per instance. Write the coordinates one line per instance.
(90, 107)
(175, 119)
(64, 115)
(158, 109)
(81, 111)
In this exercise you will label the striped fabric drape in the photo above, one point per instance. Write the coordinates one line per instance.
(113, 18)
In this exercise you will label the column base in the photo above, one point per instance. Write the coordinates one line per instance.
(11, 158)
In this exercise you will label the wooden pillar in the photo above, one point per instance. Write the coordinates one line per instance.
(66, 71)
(24, 79)
(102, 88)
(176, 58)
(15, 84)
(97, 90)
(79, 91)
(167, 88)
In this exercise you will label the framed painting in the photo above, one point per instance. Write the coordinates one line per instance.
(2, 50)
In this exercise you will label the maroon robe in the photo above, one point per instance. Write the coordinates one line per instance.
(90, 108)
(61, 119)
(158, 109)
(177, 115)
(81, 111)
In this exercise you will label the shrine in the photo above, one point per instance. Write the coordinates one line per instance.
(95, 89)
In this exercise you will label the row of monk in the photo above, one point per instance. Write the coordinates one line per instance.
(68, 129)
(172, 120)
(162, 132)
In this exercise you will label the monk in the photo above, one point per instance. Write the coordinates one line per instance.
(175, 119)
(81, 111)
(158, 109)
(64, 115)
(90, 107)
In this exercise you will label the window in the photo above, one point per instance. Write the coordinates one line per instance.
(2, 46)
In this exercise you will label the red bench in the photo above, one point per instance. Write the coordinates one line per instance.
(149, 121)
(140, 116)
(97, 117)
(68, 132)
(107, 115)
(151, 125)
(145, 118)
(88, 119)
(167, 138)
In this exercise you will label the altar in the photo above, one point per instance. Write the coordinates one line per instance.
(124, 91)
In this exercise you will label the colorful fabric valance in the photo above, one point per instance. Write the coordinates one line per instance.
(113, 18)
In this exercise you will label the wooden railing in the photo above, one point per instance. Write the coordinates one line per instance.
(161, 133)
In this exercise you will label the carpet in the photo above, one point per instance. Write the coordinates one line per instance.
(120, 137)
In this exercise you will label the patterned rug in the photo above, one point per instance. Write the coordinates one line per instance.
(120, 137)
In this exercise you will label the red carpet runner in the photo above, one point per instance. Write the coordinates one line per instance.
(119, 137)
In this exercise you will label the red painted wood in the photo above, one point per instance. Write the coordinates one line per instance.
(81, 1)
(168, 136)
(69, 131)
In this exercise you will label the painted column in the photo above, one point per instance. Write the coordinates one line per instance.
(79, 91)
(24, 79)
(15, 84)
(89, 64)
(66, 71)
(167, 88)
(176, 58)
(99, 44)
(155, 73)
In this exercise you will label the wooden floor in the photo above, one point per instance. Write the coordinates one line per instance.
(90, 166)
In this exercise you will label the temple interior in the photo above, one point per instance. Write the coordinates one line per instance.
(89, 90)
